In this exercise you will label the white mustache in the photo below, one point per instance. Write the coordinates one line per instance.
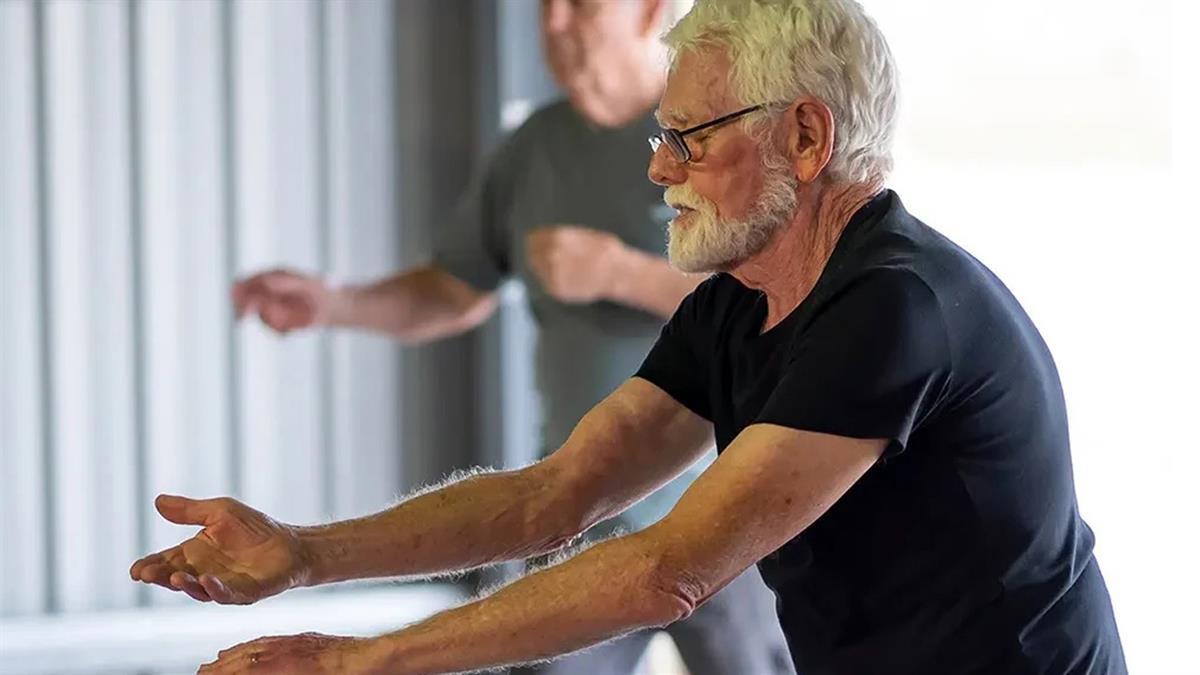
(681, 196)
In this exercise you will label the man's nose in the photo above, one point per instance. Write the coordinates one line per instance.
(664, 169)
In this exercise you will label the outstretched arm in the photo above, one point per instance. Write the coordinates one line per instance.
(767, 487)
(631, 443)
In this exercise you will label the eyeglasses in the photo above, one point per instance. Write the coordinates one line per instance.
(674, 139)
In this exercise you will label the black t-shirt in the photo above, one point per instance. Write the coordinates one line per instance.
(962, 550)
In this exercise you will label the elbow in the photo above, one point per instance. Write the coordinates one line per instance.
(671, 591)
(665, 605)
(551, 518)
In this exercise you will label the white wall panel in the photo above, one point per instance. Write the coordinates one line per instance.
(364, 242)
(277, 132)
(91, 301)
(184, 257)
(22, 499)
(182, 144)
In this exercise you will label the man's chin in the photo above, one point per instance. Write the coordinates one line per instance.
(691, 263)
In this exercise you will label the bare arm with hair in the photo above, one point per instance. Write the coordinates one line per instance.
(634, 441)
(769, 485)
(419, 305)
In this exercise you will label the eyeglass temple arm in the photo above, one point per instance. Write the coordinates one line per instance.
(721, 120)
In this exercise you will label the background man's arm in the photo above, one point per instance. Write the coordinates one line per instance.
(577, 264)
(649, 283)
(419, 305)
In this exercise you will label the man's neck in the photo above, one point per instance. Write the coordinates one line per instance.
(788, 267)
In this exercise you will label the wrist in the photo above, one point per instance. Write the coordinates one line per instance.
(312, 556)
(623, 265)
(340, 300)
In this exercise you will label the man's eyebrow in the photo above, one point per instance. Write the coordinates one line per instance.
(670, 119)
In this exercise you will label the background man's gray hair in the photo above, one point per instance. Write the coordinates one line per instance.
(828, 49)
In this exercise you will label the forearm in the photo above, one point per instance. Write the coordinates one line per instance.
(416, 306)
(649, 283)
(480, 520)
(611, 589)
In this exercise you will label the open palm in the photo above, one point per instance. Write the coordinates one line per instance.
(241, 556)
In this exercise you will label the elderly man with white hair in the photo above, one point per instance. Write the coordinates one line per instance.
(893, 437)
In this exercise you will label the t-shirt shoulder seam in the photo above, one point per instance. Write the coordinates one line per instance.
(941, 313)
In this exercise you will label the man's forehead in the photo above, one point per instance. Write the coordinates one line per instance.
(695, 89)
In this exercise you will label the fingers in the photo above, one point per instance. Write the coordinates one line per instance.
(185, 511)
(157, 568)
(171, 570)
(223, 592)
(159, 575)
(169, 575)
(537, 244)
(249, 293)
(265, 293)
(254, 656)
(140, 565)
(288, 313)
(183, 581)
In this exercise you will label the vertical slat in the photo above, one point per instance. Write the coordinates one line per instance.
(23, 520)
(90, 301)
(230, 211)
(138, 315)
(323, 149)
(46, 363)
(276, 128)
(183, 258)
(435, 146)
(364, 242)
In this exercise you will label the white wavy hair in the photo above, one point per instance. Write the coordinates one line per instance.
(780, 50)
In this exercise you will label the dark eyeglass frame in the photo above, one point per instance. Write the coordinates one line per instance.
(675, 139)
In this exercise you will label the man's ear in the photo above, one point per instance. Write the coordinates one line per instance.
(811, 133)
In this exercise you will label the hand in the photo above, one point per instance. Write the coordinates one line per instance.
(284, 300)
(575, 264)
(241, 556)
(307, 654)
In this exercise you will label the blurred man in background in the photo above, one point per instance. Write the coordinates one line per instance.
(564, 205)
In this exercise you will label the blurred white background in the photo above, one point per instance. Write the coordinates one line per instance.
(1058, 141)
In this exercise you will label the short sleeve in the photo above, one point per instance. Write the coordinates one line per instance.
(680, 360)
(473, 243)
(871, 364)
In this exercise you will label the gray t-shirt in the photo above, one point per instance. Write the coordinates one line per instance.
(557, 169)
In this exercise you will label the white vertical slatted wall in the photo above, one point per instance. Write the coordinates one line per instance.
(151, 152)
(24, 508)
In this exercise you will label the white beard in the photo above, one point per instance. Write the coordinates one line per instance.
(706, 243)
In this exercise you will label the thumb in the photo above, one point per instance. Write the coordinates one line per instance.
(184, 511)
(284, 282)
